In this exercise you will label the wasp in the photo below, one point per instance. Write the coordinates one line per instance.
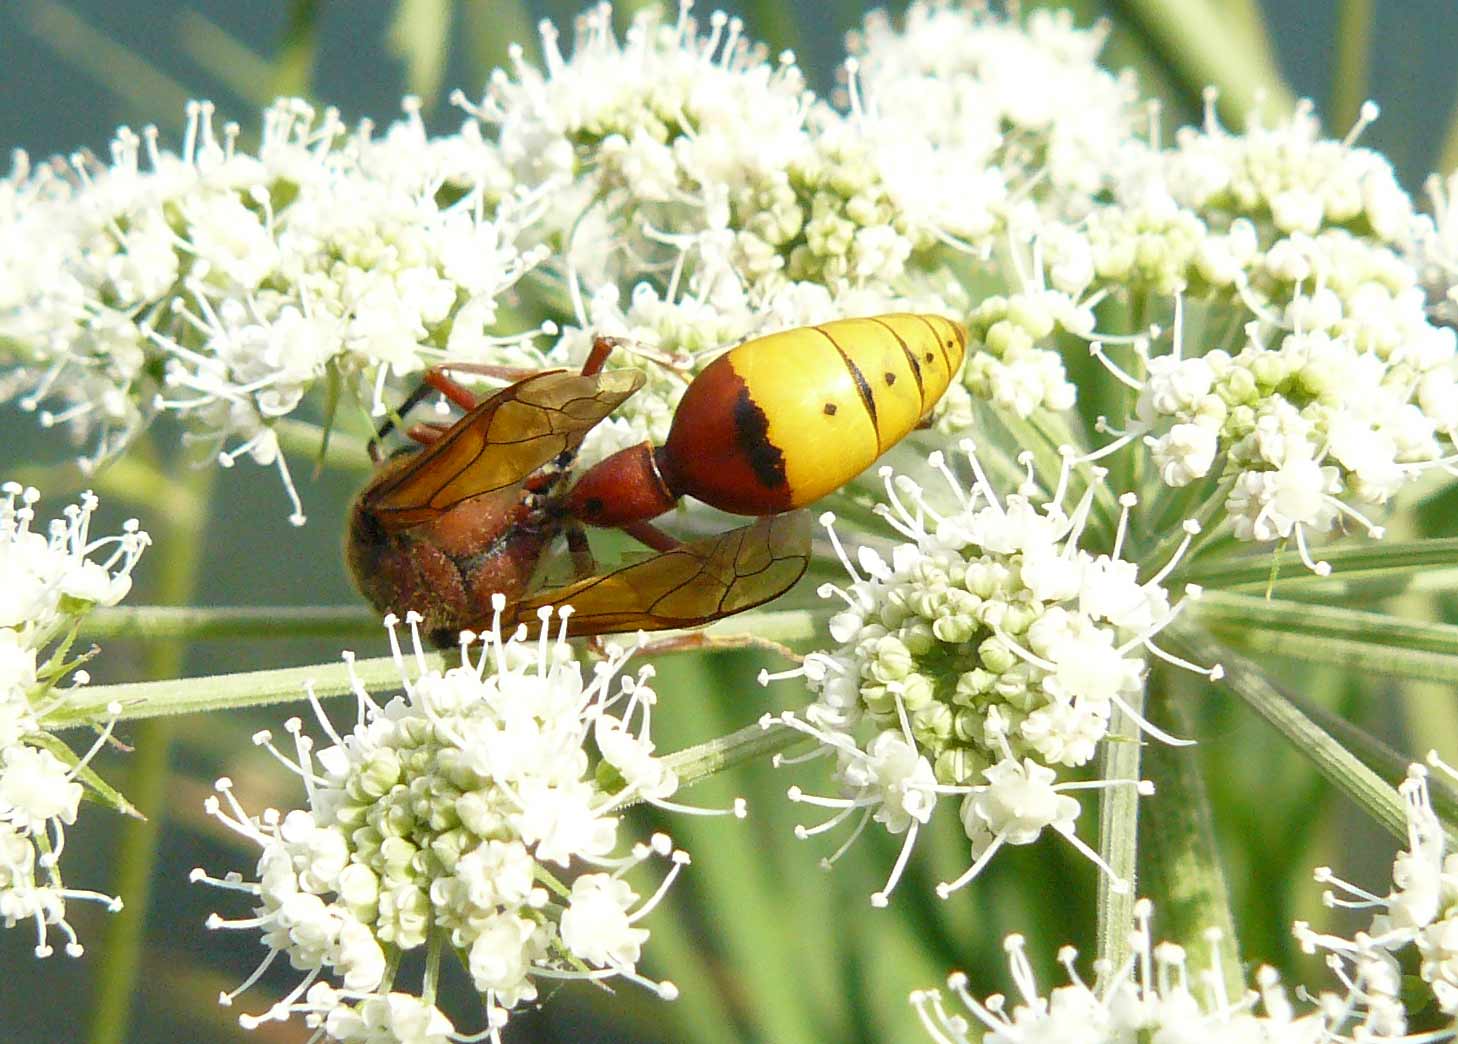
(771, 425)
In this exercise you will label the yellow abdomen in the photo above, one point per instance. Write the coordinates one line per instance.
(782, 420)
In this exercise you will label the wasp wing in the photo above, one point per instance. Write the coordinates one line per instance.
(500, 442)
(692, 584)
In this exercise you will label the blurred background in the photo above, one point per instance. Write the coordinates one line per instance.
(763, 947)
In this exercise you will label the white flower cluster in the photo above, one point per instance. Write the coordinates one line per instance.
(1420, 910)
(221, 285)
(998, 114)
(1306, 425)
(1153, 998)
(1315, 385)
(48, 581)
(443, 819)
(1432, 248)
(989, 654)
(689, 152)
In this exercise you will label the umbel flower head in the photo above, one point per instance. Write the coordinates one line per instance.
(220, 285)
(48, 581)
(466, 813)
(984, 659)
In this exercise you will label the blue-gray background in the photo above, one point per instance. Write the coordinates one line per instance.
(70, 74)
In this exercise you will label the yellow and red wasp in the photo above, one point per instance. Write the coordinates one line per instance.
(768, 427)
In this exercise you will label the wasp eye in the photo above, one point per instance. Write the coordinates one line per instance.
(563, 459)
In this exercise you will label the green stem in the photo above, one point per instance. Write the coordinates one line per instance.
(141, 700)
(87, 704)
(431, 980)
(341, 450)
(492, 26)
(753, 741)
(1180, 856)
(1119, 837)
(181, 535)
(774, 22)
(195, 623)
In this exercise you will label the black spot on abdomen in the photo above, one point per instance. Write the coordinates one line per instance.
(751, 434)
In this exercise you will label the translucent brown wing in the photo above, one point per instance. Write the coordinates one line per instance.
(692, 584)
(500, 442)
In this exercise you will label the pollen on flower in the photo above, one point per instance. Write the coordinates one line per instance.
(989, 654)
(448, 816)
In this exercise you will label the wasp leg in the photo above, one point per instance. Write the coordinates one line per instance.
(648, 533)
(602, 347)
(461, 396)
(698, 641)
(427, 432)
(434, 379)
(583, 564)
(505, 373)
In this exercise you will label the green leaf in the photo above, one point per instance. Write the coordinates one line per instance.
(1433, 562)
(293, 73)
(1203, 48)
(492, 26)
(150, 95)
(246, 72)
(1365, 641)
(1338, 765)
(1349, 82)
(420, 36)
(95, 785)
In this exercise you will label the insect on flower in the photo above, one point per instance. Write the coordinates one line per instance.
(769, 426)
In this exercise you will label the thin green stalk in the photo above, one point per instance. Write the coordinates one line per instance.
(1179, 854)
(1380, 758)
(1306, 620)
(1351, 74)
(181, 536)
(1119, 837)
